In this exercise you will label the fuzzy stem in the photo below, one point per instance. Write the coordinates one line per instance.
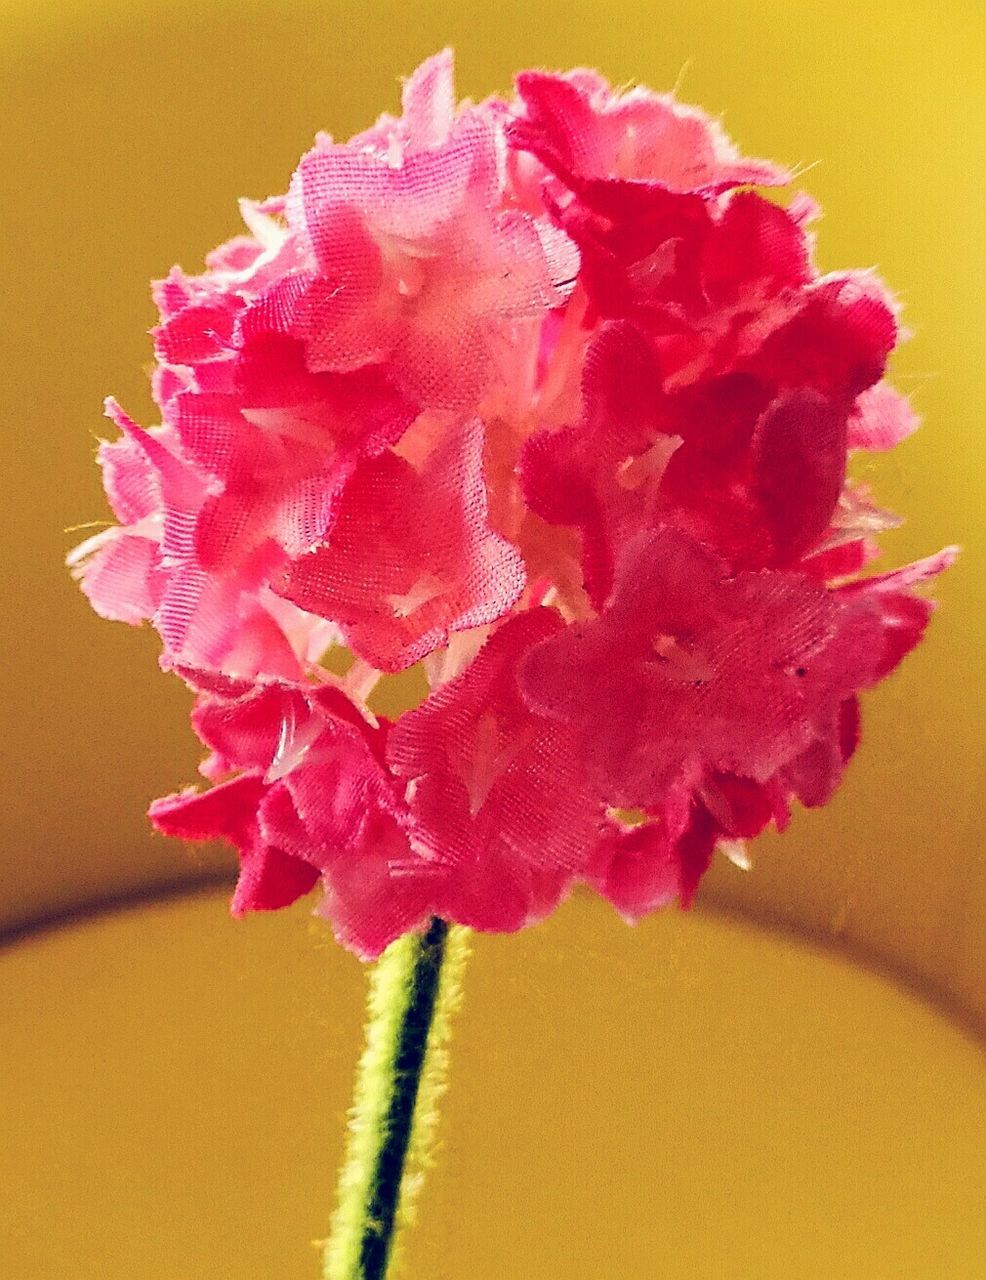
(402, 1074)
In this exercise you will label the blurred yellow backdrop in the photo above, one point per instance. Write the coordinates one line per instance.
(690, 1100)
(128, 129)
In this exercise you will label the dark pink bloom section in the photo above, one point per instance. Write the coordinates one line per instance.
(694, 671)
(547, 399)
(497, 791)
(310, 801)
(583, 131)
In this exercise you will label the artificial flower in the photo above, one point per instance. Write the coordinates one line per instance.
(547, 395)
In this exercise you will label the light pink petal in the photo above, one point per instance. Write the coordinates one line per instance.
(117, 577)
(428, 101)
(130, 480)
(881, 419)
(911, 575)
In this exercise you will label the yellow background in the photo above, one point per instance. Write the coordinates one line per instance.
(691, 1098)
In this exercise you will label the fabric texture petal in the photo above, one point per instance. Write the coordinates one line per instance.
(543, 404)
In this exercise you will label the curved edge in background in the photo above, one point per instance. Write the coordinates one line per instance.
(934, 997)
(98, 906)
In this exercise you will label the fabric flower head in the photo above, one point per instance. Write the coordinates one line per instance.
(546, 397)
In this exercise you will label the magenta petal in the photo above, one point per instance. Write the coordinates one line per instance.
(197, 333)
(227, 810)
(799, 452)
(270, 880)
(581, 129)
(903, 616)
(636, 868)
(693, 669)
(497, 793)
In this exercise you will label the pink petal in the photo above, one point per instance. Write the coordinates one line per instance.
(695, 670)
(881, 419)
(799, 452)
(498, 794)
(117, 577)
(410, 558)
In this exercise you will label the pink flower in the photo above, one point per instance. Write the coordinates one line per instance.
(537, 396)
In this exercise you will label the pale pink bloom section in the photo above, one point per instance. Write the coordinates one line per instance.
(149, 567)
(410, 557)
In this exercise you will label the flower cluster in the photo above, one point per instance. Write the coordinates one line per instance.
(544, 396)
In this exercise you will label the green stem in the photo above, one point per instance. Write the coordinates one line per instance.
(414, 989)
